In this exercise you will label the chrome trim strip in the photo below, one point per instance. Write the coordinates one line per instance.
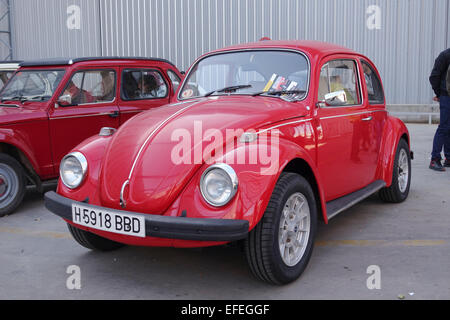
(351, 114)
(153, 133)
(123, 203)
(310, 119)
(83, 116)
(283, 125)
(90, 103)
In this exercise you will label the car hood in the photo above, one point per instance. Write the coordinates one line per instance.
(15, 112)
(142, 159)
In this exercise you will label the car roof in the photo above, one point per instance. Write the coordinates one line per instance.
(9, 65)
(71, 61)
(308, 46)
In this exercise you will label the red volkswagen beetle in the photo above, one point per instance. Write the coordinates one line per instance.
(265, 139)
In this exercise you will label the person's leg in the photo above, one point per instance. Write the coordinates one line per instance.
(442, 135)
(445, 124)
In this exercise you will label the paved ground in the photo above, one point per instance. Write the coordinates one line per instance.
(410, 243)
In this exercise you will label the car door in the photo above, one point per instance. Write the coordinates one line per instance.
(142, 89)
(342, 117)
(87, 103)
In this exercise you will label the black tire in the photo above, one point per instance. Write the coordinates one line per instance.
(12, 184)
(262, 245)
(394, 194)
(92, 241)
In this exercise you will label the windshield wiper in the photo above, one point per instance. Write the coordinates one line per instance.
(41, 98)
(15, 98)
(229, 89)
(23, 99)
(279, 92)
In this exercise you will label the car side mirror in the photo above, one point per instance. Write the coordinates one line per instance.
(65, 100)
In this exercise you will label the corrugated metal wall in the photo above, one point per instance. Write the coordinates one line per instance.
(411, 34)
(5, 45)
(40, 29)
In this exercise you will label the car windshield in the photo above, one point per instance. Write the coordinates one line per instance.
(255, 72)
(5, 76)
(28, 85)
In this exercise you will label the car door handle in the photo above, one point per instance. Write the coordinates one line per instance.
(368, 119)
(114, 114)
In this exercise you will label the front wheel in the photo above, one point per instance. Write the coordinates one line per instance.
(92, 241)
(401, 177)
(279, 248)
(12, 184)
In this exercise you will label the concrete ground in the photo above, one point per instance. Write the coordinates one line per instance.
(409, 242)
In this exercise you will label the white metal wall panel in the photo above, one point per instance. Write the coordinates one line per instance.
(412, 32)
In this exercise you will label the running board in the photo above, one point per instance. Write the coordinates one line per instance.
(337, 206)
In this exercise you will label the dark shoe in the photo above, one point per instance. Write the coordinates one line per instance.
(447, 163)
(436, 165)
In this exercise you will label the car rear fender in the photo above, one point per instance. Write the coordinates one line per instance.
(394, 131)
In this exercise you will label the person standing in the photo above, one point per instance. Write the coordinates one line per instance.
(442, 138)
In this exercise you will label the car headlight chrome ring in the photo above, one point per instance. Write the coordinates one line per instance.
(73, 169)
(219, 184)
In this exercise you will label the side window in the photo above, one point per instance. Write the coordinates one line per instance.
(175, 80)
(338, 83)
(374, 87)
(142, 84)
(91, 86)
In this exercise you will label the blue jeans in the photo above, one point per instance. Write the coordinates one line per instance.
(442, 137)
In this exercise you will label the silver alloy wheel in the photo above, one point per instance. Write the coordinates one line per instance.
(9, 185)
(403, 171)
(295, 228)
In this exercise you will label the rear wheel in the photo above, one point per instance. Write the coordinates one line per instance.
(92, 241)
(401, 178)
(12, 184)
(279, 248)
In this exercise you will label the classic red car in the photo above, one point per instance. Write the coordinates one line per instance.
(51, 106)
(266, 138)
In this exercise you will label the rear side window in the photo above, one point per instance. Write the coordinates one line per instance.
(339, 84)
(175, 80)
(373, 83)
(143, 84)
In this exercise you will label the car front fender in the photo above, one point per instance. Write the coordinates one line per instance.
(93, 149)
(17, 141)
(256, 183)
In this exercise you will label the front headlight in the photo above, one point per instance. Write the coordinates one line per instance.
(73, 169)
(219, 184)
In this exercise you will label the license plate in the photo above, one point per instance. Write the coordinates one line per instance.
(109, 220)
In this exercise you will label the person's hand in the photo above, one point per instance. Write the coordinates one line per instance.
(436, 99)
